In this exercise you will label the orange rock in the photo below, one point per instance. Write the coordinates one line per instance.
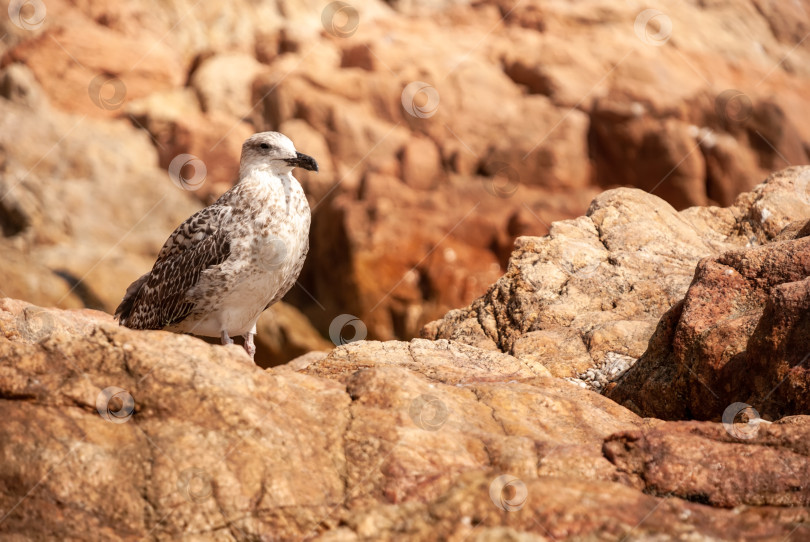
(740, 335)
(422, 440)
(88, 69)
(421, 163)
(179, 127)
(584, 299)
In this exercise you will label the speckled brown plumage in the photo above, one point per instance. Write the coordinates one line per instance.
(158, 298)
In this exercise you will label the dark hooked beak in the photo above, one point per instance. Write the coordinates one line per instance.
(304, 161)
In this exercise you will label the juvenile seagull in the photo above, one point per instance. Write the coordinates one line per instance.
(229, 262)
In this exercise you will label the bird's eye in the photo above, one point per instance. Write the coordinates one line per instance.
(264, 146)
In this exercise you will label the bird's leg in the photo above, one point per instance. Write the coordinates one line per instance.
(250, 347)
(225, 338)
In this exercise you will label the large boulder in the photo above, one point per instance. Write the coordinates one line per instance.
(585, 300)
(419, 111)
(741, 335)
(724, 465)
(135, 434)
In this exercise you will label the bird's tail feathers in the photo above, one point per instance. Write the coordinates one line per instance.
(128, 303)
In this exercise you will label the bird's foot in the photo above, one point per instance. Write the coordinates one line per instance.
(250, 346)
(225, 338)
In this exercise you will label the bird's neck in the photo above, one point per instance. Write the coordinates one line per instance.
(261, 170)
(258, 187)
(263, 178)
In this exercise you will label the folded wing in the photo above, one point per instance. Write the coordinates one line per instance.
(158, 298)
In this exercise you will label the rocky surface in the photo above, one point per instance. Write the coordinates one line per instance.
(710, 463)
(86, 209)
(445, 130)
(153, 435)
(451, 136)
(740, 335)
(565, 119)
(585, 300)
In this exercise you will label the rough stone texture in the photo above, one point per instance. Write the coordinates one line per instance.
(647, 116)
(223, 83)
(741, 334)
(65, 60)
(205, 421)
(23, 279)
(284, 334)
(383, 441)
(541, 104)
(177, 125)
(83, 199)
(597, 285)
(395, 277)
(703, 462)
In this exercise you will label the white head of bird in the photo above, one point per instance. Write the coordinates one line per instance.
(273, 153)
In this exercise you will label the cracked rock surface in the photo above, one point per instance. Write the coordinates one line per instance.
(149, 435)
(740, 335)
(592, 290)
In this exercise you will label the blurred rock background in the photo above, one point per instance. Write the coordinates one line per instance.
(444, 130)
